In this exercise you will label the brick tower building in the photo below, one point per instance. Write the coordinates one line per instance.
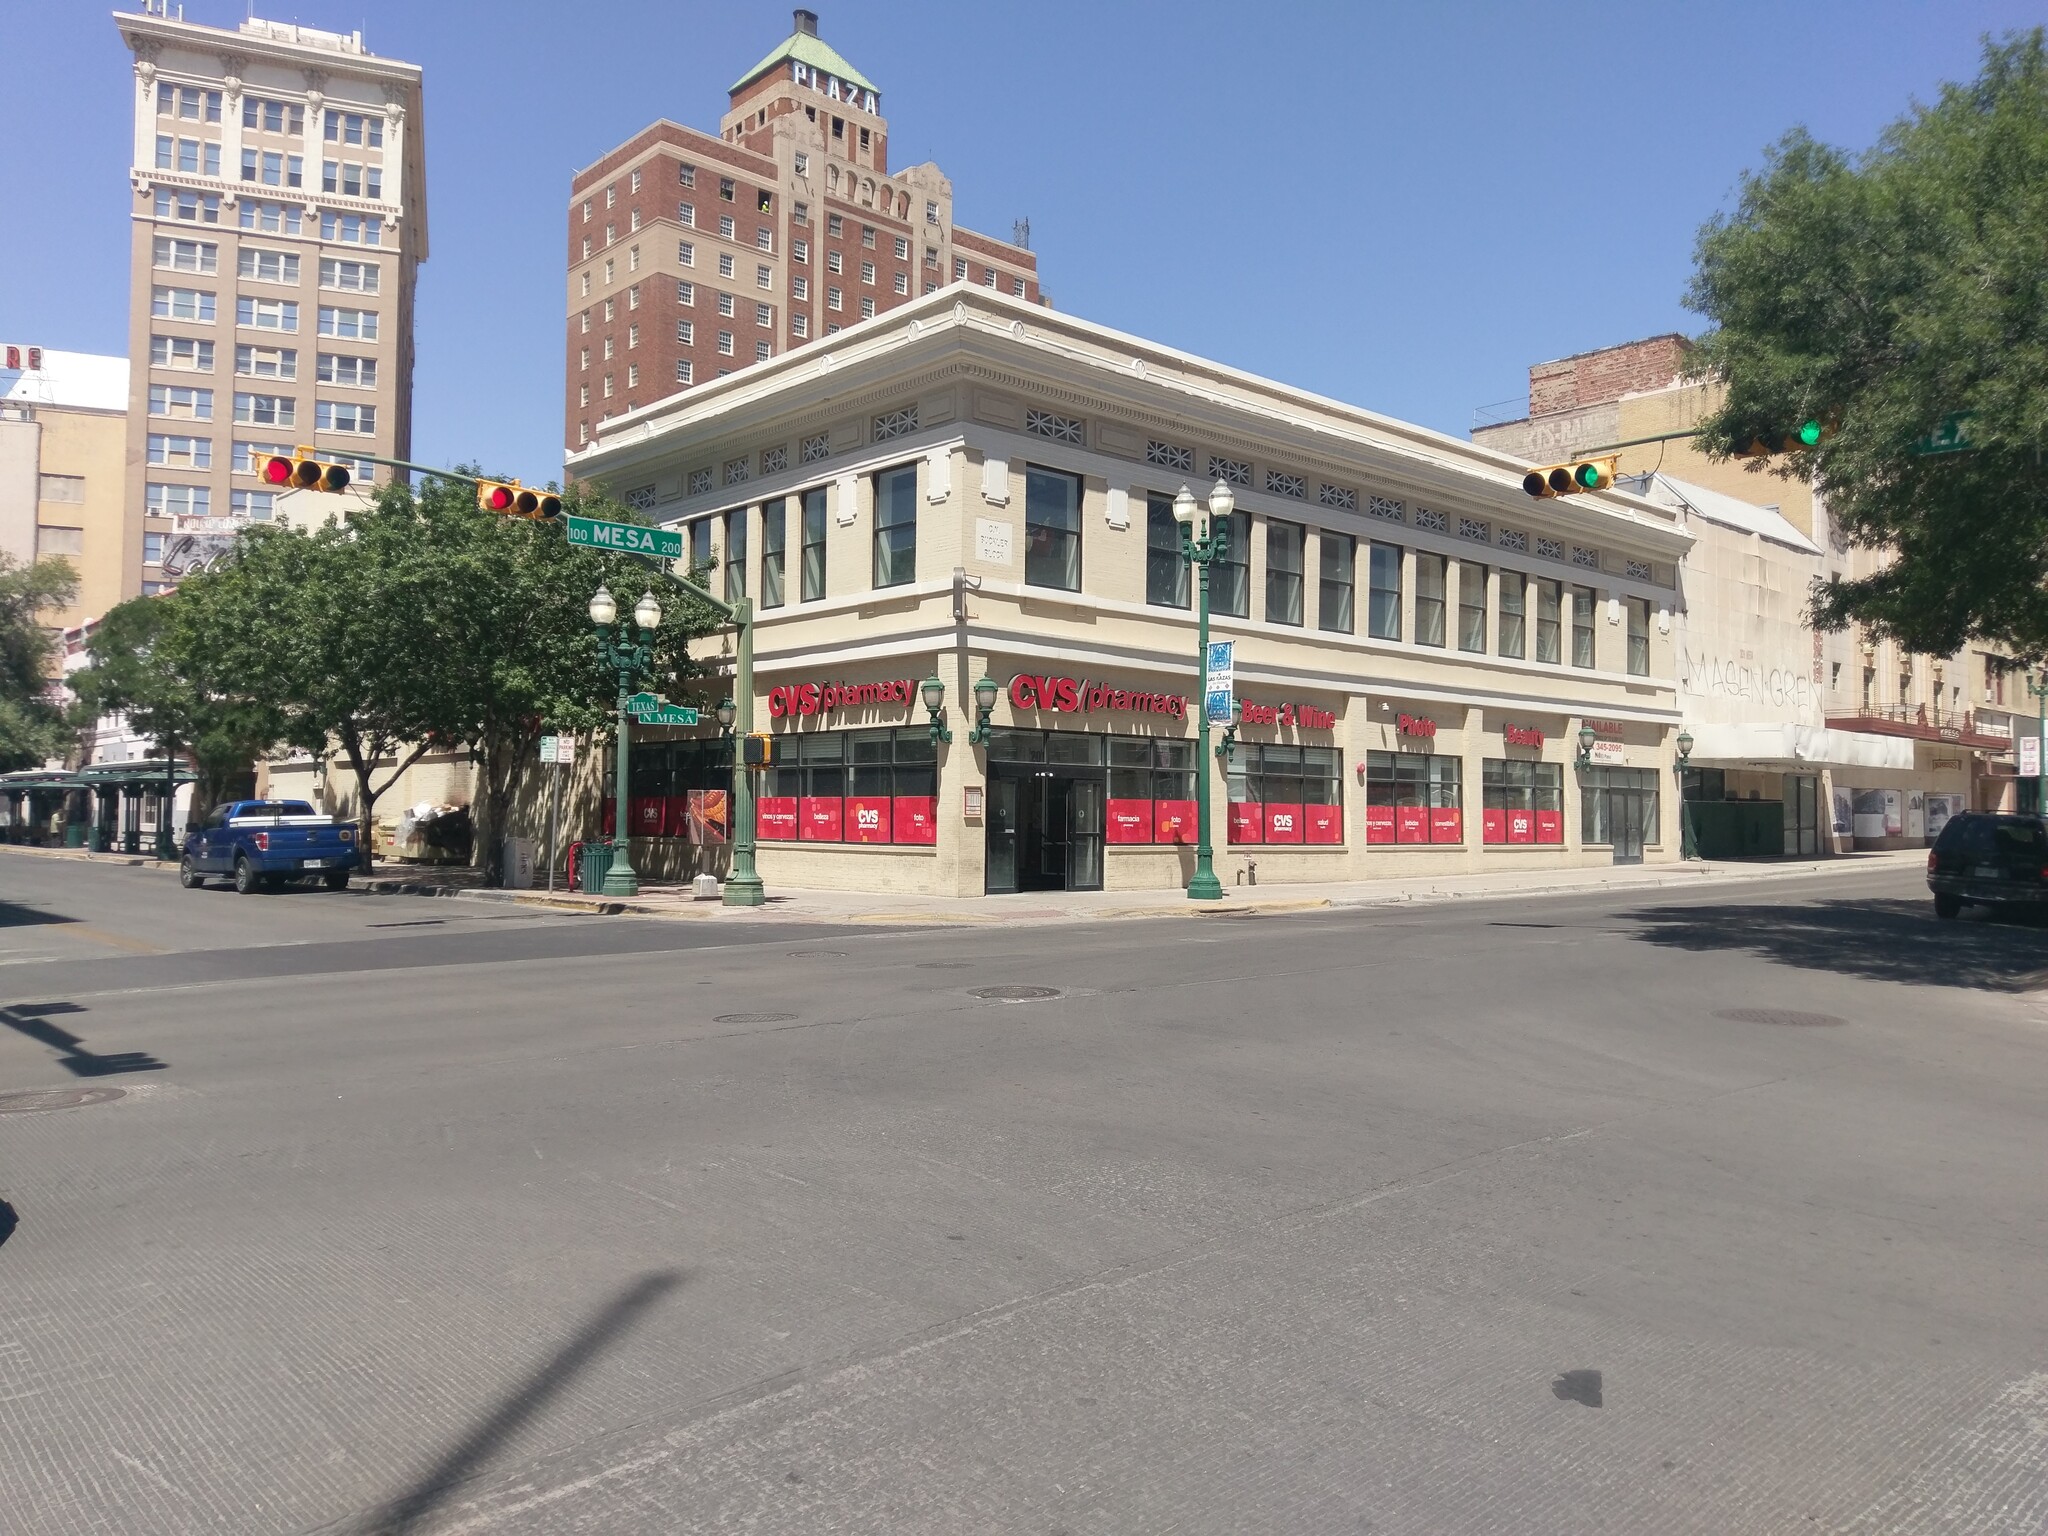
(691, 254)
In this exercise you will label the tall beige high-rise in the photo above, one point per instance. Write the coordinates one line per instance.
(279, 205)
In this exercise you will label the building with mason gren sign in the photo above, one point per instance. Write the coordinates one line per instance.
(1416, 643)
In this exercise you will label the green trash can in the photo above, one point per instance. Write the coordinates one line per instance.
(593, 864)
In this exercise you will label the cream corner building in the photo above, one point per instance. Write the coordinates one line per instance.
(972, 485)
(63, 435)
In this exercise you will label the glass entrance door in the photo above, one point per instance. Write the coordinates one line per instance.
(1627, 808)
(1802, 815)
(1045, 828)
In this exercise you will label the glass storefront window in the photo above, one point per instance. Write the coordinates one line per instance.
(1603, 793)
(680, 789)
(1151, 790)
(1413, 797)
(1522, 802)
(877, 786)
(1283, 793)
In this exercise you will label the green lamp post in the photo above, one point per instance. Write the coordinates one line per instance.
(630, 660)
(1201, 550)
(1688, 844)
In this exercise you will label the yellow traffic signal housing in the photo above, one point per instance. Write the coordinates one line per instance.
(1595, 474)
(757, 750)
(511, 499)
(302, 471)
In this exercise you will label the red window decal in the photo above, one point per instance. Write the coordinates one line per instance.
(1446, 826)
(917, 819)
(1521, 826)
(1411, 824)
(775, 818)
(1550, 826)
(1379, 824)
(1130, 821)
(1283, 823)
(818, 818)
(867, 819)
(1247, 821)
(1325, 823)
(1173, 821)
(1493, 826)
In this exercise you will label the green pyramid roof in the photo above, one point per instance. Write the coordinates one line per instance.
(805, 48)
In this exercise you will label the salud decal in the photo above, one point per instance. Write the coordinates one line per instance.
(792, 699)
(1069, 695)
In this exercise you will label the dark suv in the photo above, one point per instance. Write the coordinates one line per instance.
(1987, 858)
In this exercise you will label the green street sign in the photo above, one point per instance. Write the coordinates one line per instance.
(649, 709)
(628, 538)
(1952, 436)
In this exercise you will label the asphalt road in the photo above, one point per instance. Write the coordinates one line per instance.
(1715, 1215)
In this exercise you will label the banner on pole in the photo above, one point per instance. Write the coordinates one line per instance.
(1219, 682)
(2030, 757)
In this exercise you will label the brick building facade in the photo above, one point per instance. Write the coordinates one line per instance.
(691, 255)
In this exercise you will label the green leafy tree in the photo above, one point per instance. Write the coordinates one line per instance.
(1881, 294)
(158, 661)
(32, 725)
(516, 642)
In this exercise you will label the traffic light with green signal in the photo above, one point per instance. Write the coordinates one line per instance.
(508, 498)
(1765, 442)
(304, 472)
(1572, 479)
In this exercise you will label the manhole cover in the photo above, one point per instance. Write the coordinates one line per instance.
(946, 965)
(752, 1018)
(56, 1098)
(1777, 1016)
(1013, 994)
(817, 954)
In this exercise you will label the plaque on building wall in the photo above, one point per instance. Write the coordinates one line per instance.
(991, 541)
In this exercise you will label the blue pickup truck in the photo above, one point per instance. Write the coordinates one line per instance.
(261, 844)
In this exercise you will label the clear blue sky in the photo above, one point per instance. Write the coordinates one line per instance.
(1402, 205)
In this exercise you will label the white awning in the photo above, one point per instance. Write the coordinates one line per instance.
(1786, 747)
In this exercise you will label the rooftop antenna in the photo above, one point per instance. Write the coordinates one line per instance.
(1020, 233)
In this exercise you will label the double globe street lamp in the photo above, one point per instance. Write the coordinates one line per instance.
(631, 660)
(1201, 550)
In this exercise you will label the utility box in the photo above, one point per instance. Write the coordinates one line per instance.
(705, 888)
(520, 860)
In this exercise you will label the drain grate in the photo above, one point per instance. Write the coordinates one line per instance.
(56, 1098)
(752, 1018)
(1014, 994)
(1779, 1016)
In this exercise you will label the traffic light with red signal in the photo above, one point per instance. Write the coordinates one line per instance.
(508, 498)
(302, 471)
(1576, 478)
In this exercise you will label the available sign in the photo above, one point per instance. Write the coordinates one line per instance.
(629, 538)
(1606, 753)
(649, 709)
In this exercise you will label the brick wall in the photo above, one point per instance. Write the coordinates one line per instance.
(1596, 378)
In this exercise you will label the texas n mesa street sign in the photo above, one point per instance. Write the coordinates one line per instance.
(630, 538)
(649, 709)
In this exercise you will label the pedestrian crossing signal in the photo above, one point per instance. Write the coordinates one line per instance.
(304, 472)
(757, 750)
(511, 499)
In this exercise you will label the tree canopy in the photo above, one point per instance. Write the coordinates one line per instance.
(1883, 294)
(32, 725)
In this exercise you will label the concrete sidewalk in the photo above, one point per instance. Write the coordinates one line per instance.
(788, 903)
(1094, 906)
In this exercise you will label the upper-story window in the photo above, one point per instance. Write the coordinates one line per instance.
(931, 213)
(727, 188)
(1230, 578)
(725, 226)
(635, 182)
(1583, 599)
(1639, 639)
(1052, 529)
(1166, 568)
(273, 218)
(835, 226)
(813, 544)
(186, 255)
(190, 102)
(190, 207)
(686, 175)
(1339, 578)
(347, 178)
(896, 526)
(1471, 606)
(1513, 625)
(271, 168)
(351, 229)
(803, 163)
(359, 128)
(349, 276)
(195, 157)
(1284, 551)
(1549, 610)
(1383, 597)
(266, 115)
